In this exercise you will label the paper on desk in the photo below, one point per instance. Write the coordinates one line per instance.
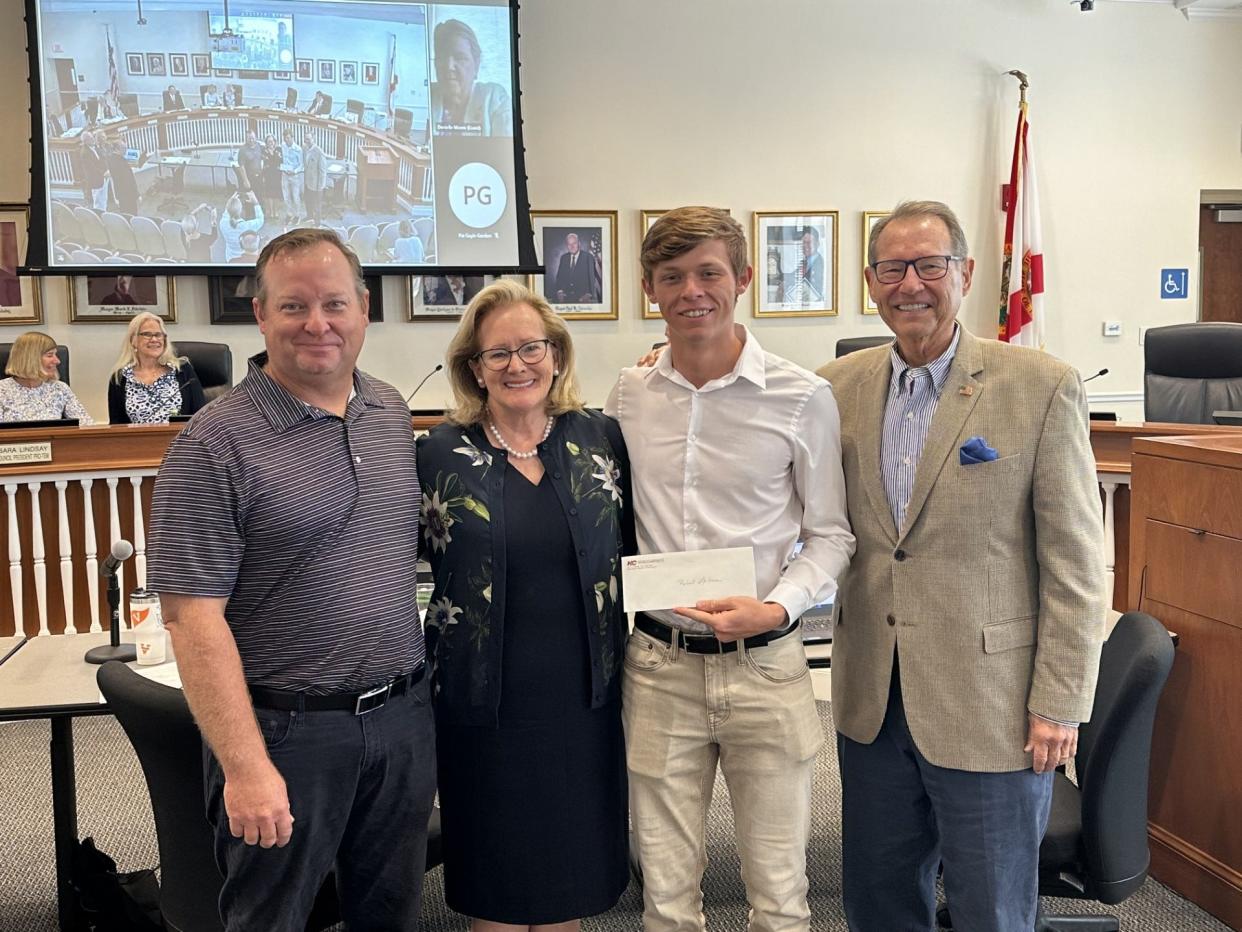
(165, 673)
(655, 581)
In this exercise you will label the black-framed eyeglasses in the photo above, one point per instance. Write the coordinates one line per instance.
(927, 268)
(498, 357)
(151, 335)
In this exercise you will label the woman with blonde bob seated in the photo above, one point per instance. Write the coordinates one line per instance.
(526, 515)
(33, 391)
(150, 382)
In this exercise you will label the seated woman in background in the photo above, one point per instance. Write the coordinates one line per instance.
(150, 381)
(33, 391)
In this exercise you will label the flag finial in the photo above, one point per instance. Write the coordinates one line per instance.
(1023, 83)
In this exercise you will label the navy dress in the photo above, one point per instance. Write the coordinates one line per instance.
(534, 808)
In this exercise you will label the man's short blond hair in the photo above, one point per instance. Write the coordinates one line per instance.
(681, 230)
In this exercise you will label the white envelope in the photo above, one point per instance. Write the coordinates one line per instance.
(656, 581)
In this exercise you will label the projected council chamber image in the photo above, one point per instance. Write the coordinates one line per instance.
(194, 131)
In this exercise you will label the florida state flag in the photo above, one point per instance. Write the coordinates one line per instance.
(1022, 281)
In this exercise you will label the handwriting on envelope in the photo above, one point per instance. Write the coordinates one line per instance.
(656, 581)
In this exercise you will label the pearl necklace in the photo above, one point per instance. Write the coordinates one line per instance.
(504, 444)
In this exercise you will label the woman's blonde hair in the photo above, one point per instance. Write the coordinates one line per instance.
(129, 355)
(469, 398)
(26, 358)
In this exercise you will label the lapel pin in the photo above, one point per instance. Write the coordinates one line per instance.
(966, 390)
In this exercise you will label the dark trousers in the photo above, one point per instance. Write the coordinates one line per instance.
(360, 790)
(903, 816)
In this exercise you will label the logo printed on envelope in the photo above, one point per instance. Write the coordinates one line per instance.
(655, 581)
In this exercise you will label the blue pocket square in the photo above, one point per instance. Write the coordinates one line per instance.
(976, 450)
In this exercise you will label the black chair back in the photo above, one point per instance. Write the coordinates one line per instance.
(291, 99)
(1191, 370)
(356, 107)
(158, 723)
(848, 345)
(402, 122)
(213, 362)
(128, 104)
(61, 350)
(237, 95)
(1114, 755)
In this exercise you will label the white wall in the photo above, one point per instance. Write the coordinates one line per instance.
(803, 104)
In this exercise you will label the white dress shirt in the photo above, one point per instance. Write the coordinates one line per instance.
(752, 459)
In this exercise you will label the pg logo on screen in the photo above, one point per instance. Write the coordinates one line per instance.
(477, 195)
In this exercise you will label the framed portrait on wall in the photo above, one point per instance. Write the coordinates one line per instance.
(280, 75)
(304, 69)
(443, 297)
(109, 298)
(201, 62)
(20, 295)
(870, 218)
(645, 220)
(135, 63)
(230, 298)
(370, 73)
(156, 66)
(578, 249)
(327, 70)
(795, 259)
(349, 72)
(224, 72)
(179, 64)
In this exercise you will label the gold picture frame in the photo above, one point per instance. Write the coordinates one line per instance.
(795, 259)
(593, 275)
(433, 297)
(645, 220)
(102, 299)
(869, 219)
(21, 296)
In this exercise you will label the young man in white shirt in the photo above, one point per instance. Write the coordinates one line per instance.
(730, 446)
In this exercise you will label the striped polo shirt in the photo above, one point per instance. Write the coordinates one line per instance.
(307, 523)
(913, 393)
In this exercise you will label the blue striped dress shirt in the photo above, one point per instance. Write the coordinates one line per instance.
(913, 393)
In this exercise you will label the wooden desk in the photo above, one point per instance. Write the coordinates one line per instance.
(1113, 445)
(59, 518)
(1186, 570)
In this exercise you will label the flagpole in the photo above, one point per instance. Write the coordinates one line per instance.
(1023, 84)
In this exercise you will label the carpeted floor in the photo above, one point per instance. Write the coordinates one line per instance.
(114, 809)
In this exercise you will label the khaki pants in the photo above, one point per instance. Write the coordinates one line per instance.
(753, 712)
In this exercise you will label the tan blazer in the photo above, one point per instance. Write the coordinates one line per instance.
(996, 601)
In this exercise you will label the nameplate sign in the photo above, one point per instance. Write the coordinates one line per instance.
(11, 454)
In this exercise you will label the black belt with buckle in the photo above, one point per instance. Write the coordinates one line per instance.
(359, 703)
(704, 643)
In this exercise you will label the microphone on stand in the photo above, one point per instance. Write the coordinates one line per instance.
(1096, 376)
(438, 367)
(122, 550)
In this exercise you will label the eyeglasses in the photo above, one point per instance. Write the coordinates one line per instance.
(151, 335)
(927, 268)
(530, 353)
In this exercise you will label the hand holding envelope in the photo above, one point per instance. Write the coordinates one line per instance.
(720, 584)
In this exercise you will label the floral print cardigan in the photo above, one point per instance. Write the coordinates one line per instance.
(462, 477)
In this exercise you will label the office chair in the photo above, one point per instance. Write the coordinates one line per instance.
(847, 345)
(237, 95)
(355, 108)
(158, 724)
(128, 104)
(213, 363)
(1191, 370)
(291, 99)
(402, 122)
(1096, 847)
(61, 351)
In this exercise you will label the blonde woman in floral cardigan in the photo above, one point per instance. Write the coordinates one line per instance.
(527, 513)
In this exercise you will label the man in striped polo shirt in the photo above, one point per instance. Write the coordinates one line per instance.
(283, 545)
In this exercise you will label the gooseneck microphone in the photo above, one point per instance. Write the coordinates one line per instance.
(122, 550)
(438, 367)
(1096, 376)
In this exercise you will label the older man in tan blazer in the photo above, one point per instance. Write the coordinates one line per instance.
(972, 615)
